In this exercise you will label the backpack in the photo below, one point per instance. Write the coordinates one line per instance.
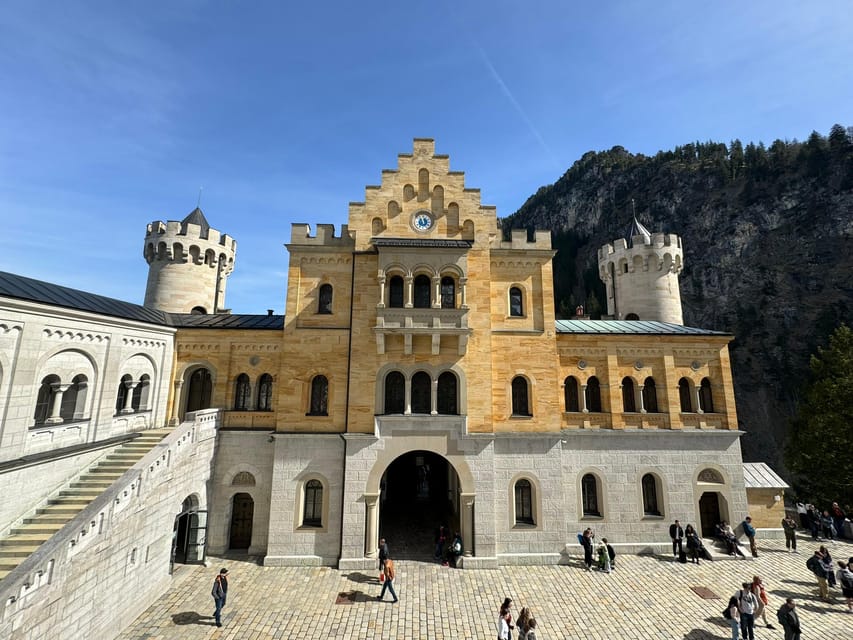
(847, 580)
(782, 615)
(580, 540)
(727, 613)
(814, 565)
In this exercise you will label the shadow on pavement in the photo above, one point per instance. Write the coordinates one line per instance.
(701, 634)
(191, 617)
(362, 578)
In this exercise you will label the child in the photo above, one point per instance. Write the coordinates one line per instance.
(603, 556)
(610, 553)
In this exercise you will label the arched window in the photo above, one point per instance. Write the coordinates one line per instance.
(395, 292)
(593, 395)
(265, 393)
(448, 293)
(395, 392)
(448, 403)
(523, 502)
(589, 493)
(650, 395)
(198, 311)
(121, 394)
(422, 293)
(706, 399)
(650, 495)
(242, 393)
(520, 397)
(139, 402)
(44, 401)
(516, 302)
(421, 392)
(570, 391)
(628, 398)
(312, 514)
(74, 399)
(319, 396)
(243, 479)
(632, 316)
(199, 391)
(325, 299)
(684, 395)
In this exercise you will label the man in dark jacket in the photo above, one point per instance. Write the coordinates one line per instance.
(749, 532)
(677, 535)
(219, 593)
(383, 553)
(787, 616)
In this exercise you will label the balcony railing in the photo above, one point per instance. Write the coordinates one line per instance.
(429, 322)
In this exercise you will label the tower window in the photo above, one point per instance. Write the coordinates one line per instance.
(395, 292)
(650, 495)
(516, 303)
(589, 493)
(523, 502)
(520, 400)
(319, 396)
(448, 293)
(325, 299)
(422, 293)
(313, 511)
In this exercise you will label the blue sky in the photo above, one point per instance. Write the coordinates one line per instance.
(113, 114)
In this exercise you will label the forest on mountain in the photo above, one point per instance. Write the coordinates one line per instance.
(768, 256)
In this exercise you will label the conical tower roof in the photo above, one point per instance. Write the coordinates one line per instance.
(196, 216)
(636, 229)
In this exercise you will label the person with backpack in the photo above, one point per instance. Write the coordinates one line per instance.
(845, 579)
(732, 614)
(788, 618)
(815, 565)
(761, 596)
(747, 604)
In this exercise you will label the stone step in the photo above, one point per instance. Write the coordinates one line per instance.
(118, 469)
(124, 457)
(17, 553)
(25, 540)
(56, 509)
(74, 496)
(55, 518)
(40, 528)
(91, 484)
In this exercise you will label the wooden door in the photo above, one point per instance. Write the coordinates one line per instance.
(709, 513)
(242, 512)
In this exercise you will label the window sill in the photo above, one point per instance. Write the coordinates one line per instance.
(652, 517)
(317, 415)
(307, 528)
(520, 416)
(525, 526)
(59, 425)
(591, 518)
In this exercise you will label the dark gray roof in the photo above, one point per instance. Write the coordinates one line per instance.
(634, 327)
(636, 229)
(196, 216)
(422, 242)
(21, 288)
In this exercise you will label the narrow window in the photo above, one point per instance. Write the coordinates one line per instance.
(447, 394)
(44, 401)
(199, 392)
(593, 395)
(705, 397)
(520, 400)
(139, 402)
(265, 393)
(242, 392)
(74, 399)
(684, 395)
(570, 390)
(395, 292)
(422, 287)
(395, 393)
(523, 502)
(628, 398)
(650, 395)
(516, 303)
(313, 512)
(121, 395)
(325, 300)
(448, 293)
(319, 396)
(421, 392)
(650, 495)
(589, 490)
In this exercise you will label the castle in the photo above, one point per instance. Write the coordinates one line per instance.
(417, 377)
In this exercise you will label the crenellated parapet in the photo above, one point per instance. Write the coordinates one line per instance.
(300, 234)
(519, 241)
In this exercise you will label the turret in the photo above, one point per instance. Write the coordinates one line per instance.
(640, 272)
(188, 263)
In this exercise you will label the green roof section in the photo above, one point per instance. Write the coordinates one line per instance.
(632, 327)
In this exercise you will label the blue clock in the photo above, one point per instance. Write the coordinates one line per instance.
(422, 221)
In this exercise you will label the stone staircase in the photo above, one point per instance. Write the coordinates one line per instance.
(60, 509)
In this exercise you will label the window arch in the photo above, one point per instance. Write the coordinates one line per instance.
(593, 395)
(312, 512)
(684, 395)
(265, 392)
(650, 395)
(591, 503)
(44, 400)
(242, 393)
(199, 390)
(448, 394)
(570, 391)
(516, 302)
(324, 304)
(520, 397)
(706, 398)
(421, 393)
(139, 402)
(395, 292)
(448, 293)
(422, 292)
(395, 393)
(319, 396)
(123, 391)
(628, 398)
(524, 502)
(243, 479)
(198, 311)
(632, 316)
(650, 495)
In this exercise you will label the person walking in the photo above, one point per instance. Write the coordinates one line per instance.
(838, 518)
(505, 620)
(788, 618)
(789, 526)
(220, 594)
(761, 597)
(747, 604)
(733, 617)
(389, 580)
(383, 554)
(522, 622)
(749, 532)
(677, 535)
(531, 630)
(845, 579)
(816, 565)
(586, 541)
(694, 544)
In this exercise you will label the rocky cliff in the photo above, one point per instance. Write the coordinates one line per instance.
(767, 251)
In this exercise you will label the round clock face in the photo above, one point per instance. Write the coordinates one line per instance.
(422, 221)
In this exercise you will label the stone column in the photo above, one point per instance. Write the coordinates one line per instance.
(56, 405)
(463, 282)
(433, 406)
(128, 398)
(408, 406)
(467, 522)
(381, 279)
(409, 301)
(371, 541)
(583, 399)
(696, 398)
(640, 398)
(436, 287)
(176, 402)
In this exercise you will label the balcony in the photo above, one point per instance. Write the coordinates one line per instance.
(422, 322)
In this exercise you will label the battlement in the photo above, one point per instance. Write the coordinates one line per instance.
(518, 240)
(187, 233)
(300, 234)
(669, 242)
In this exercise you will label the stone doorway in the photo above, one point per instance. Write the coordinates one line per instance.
(242, 516)
(709, 513)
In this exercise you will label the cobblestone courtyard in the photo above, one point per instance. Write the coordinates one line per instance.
(646, 597)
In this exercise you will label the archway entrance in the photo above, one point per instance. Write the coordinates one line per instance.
(709, 513)
(199, 390)
(419, 493)
(189, 534)
(242, 515)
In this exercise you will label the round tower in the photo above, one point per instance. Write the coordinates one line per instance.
(188, 263)
(640, 272)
